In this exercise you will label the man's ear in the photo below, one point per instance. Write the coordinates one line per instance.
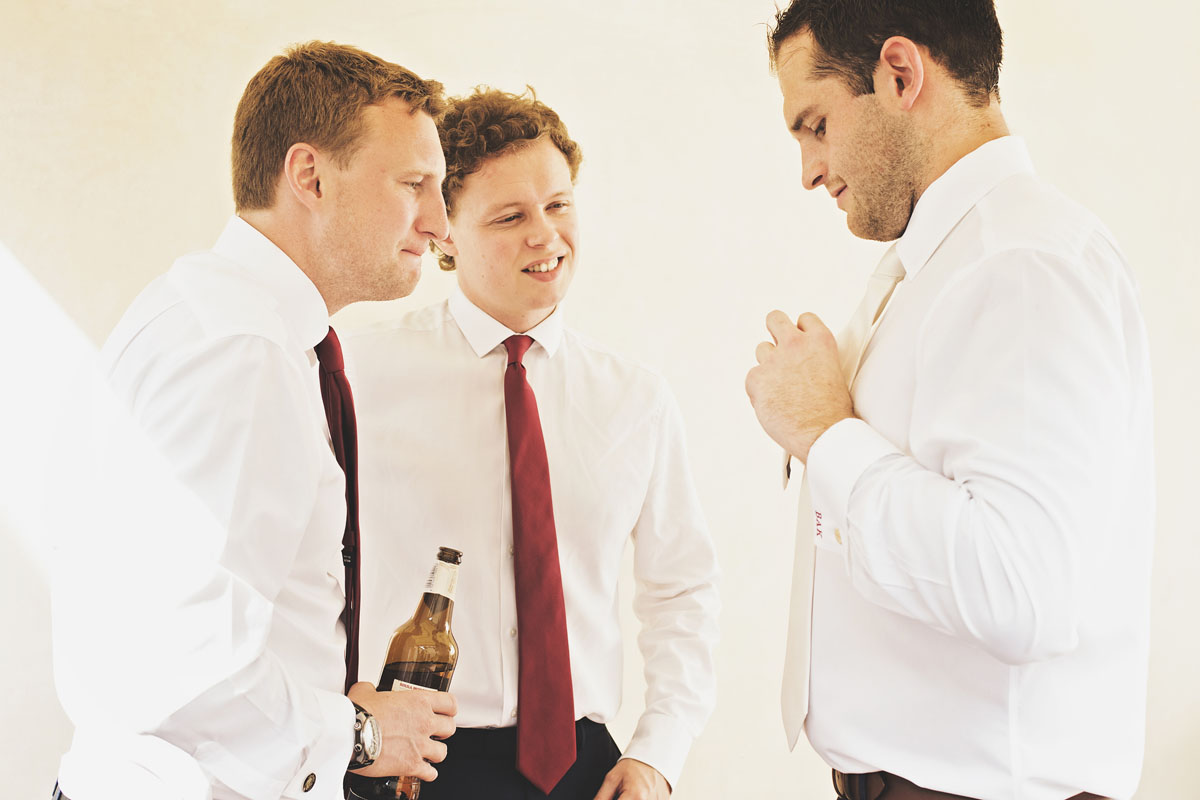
(301, 173)
(901, 71)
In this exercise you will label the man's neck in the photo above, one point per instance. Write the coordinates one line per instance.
(970, 128)
(294, 243)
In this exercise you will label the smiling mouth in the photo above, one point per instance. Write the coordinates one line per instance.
(549, 265)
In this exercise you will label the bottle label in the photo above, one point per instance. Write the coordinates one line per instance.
(443, 579)
(399, 684)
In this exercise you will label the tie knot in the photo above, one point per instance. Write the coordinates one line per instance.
(329, 352)
(890, 265)
(517, 346)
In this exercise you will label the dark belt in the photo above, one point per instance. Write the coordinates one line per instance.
(871, 785)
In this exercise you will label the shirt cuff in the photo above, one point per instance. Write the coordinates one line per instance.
(662, 742)
(326, 762)
(112, 766)
(836, 461)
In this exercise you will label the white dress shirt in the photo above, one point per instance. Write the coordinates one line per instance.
(223, 644)
(433, 450)
(980, 621)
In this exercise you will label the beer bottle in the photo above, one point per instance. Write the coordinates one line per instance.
(421, 656)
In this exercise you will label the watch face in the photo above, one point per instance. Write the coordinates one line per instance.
(367, 741)
(372, 742)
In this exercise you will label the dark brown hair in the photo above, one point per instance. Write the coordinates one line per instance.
(962, 35)
(314, 93)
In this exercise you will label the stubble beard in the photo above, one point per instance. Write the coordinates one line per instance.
(886, 190)
(361, 273)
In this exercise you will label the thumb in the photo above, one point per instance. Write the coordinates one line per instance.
(608, 789)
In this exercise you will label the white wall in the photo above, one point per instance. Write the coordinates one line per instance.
(114, 134)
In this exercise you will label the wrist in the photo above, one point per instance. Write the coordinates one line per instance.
(368, 741)
(804, 440)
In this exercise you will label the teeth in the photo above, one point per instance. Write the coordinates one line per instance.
(544, 266)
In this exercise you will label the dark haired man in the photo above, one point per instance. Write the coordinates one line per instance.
(216, 668)
(977, 442)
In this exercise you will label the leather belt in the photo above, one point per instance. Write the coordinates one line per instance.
(871, 785)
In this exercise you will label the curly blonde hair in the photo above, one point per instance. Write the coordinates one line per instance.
(489, 123)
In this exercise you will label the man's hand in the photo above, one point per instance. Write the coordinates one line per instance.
(409, 721)
(797, 389)
(631, 779)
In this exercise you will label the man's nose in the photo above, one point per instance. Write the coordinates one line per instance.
(815, 169)
(432, 220)
(541, 231)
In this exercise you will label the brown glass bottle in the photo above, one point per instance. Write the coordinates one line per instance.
(421, 656)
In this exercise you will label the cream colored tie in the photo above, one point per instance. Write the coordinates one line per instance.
(851, 346)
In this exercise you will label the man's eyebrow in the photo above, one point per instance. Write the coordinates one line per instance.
(496, 208)
(798, 120)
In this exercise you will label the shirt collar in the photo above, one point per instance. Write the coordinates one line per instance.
(300, 304)
(485, 333)
(955, 192)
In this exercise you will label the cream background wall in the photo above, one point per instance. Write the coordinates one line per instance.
(114, 131)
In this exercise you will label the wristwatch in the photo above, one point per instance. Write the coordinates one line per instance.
(367, 741)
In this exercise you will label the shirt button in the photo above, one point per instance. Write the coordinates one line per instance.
(514, 714)
(837, 534)
(512, 632)
(310, 781)
(511, 549)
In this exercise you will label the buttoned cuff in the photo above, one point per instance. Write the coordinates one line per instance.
(836, 461)
(320, 774)
(662, 742)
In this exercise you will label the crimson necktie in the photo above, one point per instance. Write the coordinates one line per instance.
(546, 704)
(339, 412)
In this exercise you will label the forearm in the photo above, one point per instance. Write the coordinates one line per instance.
(982, 558)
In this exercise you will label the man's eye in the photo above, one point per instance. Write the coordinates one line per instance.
(509, 218)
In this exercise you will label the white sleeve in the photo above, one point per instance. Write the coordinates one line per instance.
(189, 520)
(981, 529)
(676, 600)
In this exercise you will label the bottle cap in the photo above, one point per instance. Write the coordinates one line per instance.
(449, 555)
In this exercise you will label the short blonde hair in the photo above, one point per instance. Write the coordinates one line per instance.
(314, 93)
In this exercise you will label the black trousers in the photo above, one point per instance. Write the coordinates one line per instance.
(482, 763)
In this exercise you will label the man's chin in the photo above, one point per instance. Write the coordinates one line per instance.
(875, 230)
(403, 282)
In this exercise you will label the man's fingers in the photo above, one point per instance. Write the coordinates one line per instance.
(762, 351)
(443, 727)
(809, 322)
(425, 771)
(443, 703)
(434, 751)
(608, 789)
(778, 321)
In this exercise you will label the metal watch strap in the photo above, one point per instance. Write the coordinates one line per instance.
(364, 752)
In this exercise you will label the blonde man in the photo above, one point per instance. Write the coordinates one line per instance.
(228, 679)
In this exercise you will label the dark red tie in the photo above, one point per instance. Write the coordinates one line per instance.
(546, 704)
(339, 412)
